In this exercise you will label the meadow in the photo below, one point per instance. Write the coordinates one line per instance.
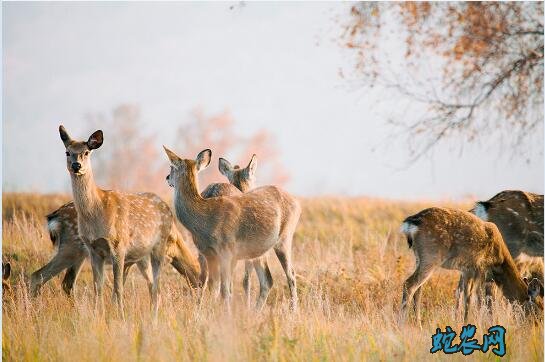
(351, 262)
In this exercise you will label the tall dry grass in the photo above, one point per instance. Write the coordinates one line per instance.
(350, 261)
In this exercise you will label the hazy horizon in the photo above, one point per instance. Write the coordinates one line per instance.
(273, 66)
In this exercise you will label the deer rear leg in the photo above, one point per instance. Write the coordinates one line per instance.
(460, 293)
(265, 281)
(48, 271)
(72, 275)
(144, 266)
(412, 285)
(283, 252)
(247, 282)
(156, 265)
(468, 294)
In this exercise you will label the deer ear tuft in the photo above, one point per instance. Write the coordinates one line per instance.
(95, 140)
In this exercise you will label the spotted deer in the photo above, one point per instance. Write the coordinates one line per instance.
(519, 217)
(238, 227)
(244, 180)
(71, 252)
(122, 227)
(458, 240)
(6, 273)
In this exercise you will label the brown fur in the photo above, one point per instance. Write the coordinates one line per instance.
(6, 285)
(455, 239)
(519, 218)
(126, 228)
(243, 179)
(62, 225)
(231, 228)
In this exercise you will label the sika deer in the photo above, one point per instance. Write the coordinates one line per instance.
(519, 217)
(231, 228)
(243, 179)
(126, 228)
(62, 225)
(454, 239)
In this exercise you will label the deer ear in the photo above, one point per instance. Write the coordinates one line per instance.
(95, 140)
(6, 271)
(252, 166)
(225, 167)
(64, 136)
(203, 159)
(173, 158)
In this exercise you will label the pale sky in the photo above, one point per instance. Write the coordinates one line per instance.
(273, 65)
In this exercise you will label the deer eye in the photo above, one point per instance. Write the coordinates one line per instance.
(86, 153)
(67, 153)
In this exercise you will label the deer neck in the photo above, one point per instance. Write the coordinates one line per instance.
(510, 282)
(86, 193)
(189, 204)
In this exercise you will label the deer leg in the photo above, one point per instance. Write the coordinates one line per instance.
(226, 268)
(213, 274)
(412, 284)
(283, 252)
(126, 269)
(417, 305)
(144, 266)
(118, 265)
(72, 275)
(460, 292)
(156, 264)
(265, 281)
(468, 294)
(247, 282)
(48, 271)
(97, 264)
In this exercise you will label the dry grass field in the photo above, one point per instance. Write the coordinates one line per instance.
(350, 261)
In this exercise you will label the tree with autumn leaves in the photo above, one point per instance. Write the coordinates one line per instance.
(475, 67)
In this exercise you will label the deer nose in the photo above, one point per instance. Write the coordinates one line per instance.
(168, 176)
(76, 166)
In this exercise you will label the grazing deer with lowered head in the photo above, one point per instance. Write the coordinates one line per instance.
(122, 227)
(62, 225)
(535, 289)
(244, 180)
(231, 228)
(6, 273)
(519, 217)
(458, 240)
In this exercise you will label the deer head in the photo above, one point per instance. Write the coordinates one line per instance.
(242, 178)
(181, 169)
(78, 152)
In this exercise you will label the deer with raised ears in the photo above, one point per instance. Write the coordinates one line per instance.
(62, 225)
(244, 180)
(458, 240)
(125, 228)
(231, 228)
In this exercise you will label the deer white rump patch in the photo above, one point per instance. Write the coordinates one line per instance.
(480, 212)
(53, 226)
(408, 228)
